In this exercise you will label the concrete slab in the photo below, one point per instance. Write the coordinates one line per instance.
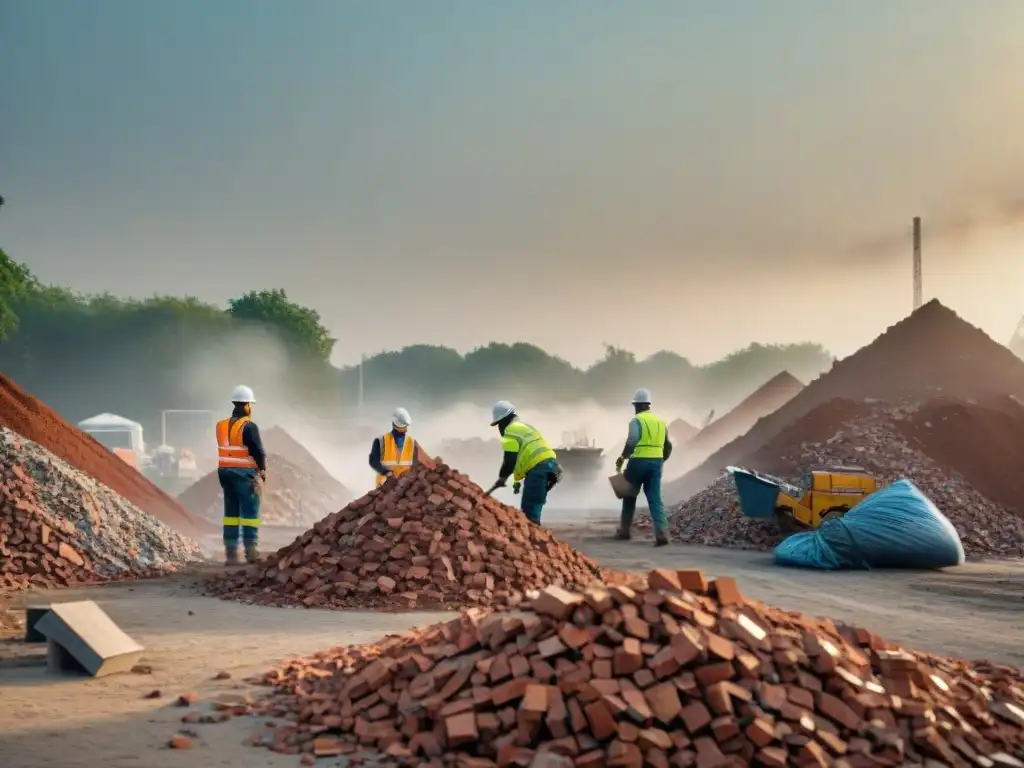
(81, 636)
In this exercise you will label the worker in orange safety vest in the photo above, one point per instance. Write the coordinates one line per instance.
(396, 452)
(241, 469)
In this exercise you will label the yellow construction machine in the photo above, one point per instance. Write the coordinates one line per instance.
(825, 494)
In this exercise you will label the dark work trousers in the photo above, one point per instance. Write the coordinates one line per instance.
(646, 474)
(535, 489)
(241, 506)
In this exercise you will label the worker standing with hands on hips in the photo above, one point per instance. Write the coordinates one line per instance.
(242, 470)
(528, 458)
(396, 452)
(647, 447)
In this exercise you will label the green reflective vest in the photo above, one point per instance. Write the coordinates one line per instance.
(652, 437)
(530, 446)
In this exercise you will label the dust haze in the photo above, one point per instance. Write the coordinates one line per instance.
(342, 444)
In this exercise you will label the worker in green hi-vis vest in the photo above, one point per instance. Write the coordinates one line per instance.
(646, 449)
(527, 457)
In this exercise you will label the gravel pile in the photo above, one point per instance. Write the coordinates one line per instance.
(879, 438)
(931, 353)
(33, 419)
(59, 527)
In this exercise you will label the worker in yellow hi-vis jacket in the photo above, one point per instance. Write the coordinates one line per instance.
(528, 458)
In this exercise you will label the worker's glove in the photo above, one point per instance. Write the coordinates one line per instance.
(618, 463)
(516, 486)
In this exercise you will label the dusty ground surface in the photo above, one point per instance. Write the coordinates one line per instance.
(63, 722)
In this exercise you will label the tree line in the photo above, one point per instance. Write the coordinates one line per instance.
(85, 354)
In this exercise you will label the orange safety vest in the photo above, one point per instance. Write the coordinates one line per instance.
(231, 451)
(390, 458)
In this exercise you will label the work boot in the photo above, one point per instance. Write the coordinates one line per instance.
(621, 535)
(231, 556)
(252, 553)
(661, 540)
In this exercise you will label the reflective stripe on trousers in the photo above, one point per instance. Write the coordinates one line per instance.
(241, 507)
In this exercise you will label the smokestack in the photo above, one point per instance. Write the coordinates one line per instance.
(917, 262)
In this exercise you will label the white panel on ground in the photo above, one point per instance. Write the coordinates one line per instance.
(82, 633)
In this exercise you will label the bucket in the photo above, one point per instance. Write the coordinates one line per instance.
(622, 488)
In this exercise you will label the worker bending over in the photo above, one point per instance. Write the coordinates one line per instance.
(241, 469)
(396, 452)
(647, 447)
(527, 457)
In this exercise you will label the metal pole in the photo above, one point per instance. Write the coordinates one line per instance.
(917, 263)
(163, 427)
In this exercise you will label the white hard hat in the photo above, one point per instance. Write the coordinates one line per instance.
(642, 396)
(243, 394)
(401, 418)
(501, 409)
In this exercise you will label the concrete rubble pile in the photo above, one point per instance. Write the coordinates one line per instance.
(293, 496)
(872, 437)
(34, 420)
(60, 528)
(680, 672)
(430, 539)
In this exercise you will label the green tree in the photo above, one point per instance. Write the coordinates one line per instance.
(298, 325)
(613, 377)
(16, 282)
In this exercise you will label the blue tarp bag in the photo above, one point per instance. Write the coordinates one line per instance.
(896, 527)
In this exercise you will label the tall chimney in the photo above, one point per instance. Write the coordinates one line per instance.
(917, 262)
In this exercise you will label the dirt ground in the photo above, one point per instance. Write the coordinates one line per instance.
(74, 722)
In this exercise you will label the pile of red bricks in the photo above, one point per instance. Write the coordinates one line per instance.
(681, 672)
(430, 539)
(60, 528)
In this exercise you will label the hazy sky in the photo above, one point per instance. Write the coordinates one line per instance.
(656, 174)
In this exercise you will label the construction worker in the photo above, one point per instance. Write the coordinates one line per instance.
(396, 452)
(528, 458)
(242, 469)
(647, 447)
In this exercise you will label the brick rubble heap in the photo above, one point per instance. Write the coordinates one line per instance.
(871, 436)
(680, 672)
(431, 539)
(60, 528)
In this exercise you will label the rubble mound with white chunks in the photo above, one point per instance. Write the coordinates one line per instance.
(681, 672)
(429, 539)
(61, 528)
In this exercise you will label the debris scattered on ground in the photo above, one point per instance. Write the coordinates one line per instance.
(768, 398)
(931, 353)
(292, 496)
(683, 672)
(846, 433)
(429, 539)
(59, 527)
(27, 416)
